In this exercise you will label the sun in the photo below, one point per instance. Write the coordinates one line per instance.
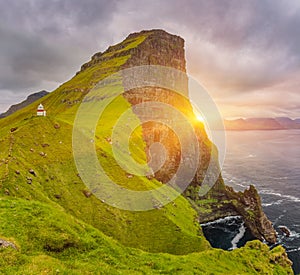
(199, 117)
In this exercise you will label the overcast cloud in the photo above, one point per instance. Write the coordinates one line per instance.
(246, 53)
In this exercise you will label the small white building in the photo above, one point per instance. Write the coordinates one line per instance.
(41, 111)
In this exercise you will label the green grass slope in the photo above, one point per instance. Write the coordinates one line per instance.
(38, 145)
(50, 241)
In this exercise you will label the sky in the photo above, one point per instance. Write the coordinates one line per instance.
(245, 53)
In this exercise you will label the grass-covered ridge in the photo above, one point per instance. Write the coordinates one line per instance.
(59, 226)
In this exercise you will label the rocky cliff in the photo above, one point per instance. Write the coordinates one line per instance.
(160, 48)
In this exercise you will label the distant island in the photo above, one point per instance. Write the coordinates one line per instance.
(278, 123)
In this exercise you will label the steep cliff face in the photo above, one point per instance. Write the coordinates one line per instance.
(158, 48)
(161, 48)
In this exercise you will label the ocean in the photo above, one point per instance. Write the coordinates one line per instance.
(270, 161)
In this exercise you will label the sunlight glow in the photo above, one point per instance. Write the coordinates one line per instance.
(199, 117)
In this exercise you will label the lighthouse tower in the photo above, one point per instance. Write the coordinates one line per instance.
(41, 111)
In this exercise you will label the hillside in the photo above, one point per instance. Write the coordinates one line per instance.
(30, 99)
(58, 224)
(50, 241)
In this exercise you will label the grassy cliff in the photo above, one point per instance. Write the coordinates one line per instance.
(61, 227)
(51, 241)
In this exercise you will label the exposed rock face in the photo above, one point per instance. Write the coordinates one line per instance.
(31, 98)
(161, 48)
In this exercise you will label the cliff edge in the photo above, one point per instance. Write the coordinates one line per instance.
(157, 47)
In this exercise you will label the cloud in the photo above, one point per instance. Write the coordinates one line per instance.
(45, 41)
(28, 60)
(237, 49)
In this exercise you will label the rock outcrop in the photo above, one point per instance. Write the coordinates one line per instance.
(7, 244)
(285, 230)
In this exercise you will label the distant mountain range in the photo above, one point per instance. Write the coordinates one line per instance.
(31, 98)
(278, 123)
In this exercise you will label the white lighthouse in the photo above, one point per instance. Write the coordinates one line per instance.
(41, 111)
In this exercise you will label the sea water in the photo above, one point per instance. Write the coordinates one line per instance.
(270, 161)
